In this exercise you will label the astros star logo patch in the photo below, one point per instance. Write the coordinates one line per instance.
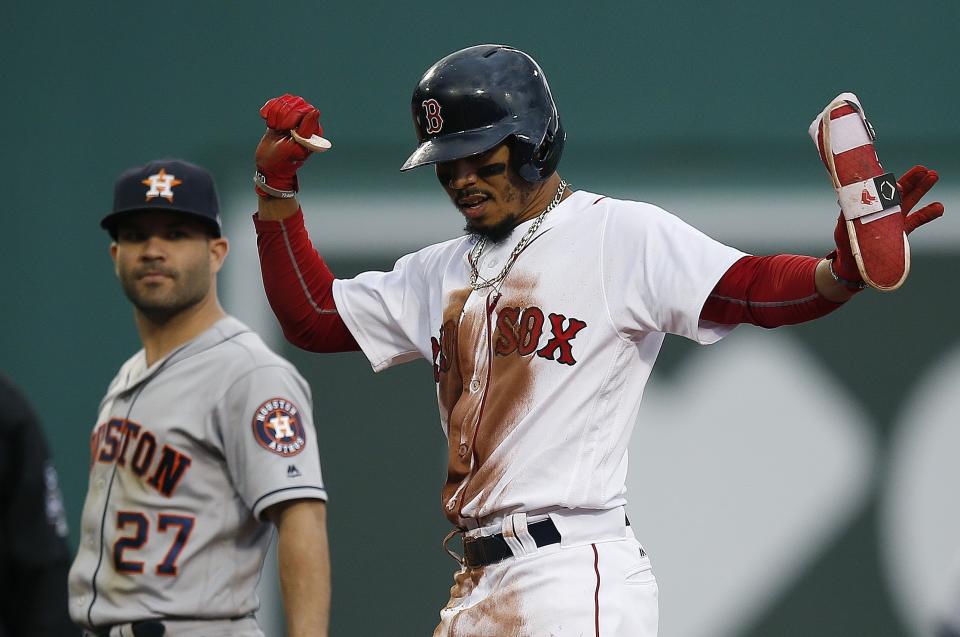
(161, 185)
(277, 427)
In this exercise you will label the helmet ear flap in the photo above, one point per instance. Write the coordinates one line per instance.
(537, 162)
(552, 150)
(522, 158)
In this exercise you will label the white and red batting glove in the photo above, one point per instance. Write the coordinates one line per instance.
(913, 185)
(875, 219)
(279, 156)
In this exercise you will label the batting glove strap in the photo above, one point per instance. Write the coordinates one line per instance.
(847, 283)
(262, 187)
(869, 199)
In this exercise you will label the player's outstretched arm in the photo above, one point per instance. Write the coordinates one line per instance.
(783, 289)
(303, 558)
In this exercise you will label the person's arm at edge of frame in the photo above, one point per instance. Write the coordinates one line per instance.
(35, 548)
(303, 561)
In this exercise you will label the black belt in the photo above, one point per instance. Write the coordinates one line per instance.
(155, 627)
(149, 628)
(484, 551)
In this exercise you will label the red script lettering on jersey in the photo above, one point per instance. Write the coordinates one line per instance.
(519, 330)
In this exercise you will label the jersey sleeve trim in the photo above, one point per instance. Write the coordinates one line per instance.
(287, 493)
(706, 333)
(377, 361)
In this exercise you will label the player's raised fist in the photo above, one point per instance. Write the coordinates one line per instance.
(286, 112)
(279, 155)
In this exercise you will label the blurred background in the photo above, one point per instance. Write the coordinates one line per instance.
(795, 482)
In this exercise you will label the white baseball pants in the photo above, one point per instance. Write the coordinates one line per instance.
(598, 582)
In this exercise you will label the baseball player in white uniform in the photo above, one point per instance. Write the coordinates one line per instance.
(543, 324)
(204, 442)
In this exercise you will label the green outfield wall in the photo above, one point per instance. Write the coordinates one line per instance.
(826, 509)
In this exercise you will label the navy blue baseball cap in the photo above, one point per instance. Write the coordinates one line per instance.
(165, 184)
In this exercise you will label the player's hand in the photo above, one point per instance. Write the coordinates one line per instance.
(913, 185)
(278, 155)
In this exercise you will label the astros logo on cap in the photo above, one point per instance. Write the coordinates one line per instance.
(161, 185)
(276, 426)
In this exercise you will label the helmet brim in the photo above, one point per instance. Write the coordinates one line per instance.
(112, 220)
(458, 145)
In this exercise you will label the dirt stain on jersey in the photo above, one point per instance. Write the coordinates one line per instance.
(509, 397)
(498, 615)
(461, 331)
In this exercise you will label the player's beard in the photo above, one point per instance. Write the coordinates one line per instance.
(158, 303)
(498, 232)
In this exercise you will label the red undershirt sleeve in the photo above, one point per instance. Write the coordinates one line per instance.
(768, 291)
(299, 286)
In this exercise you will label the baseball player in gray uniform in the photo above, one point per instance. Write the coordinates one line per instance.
(203, 442)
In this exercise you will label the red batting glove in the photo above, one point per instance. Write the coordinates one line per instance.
(278, 155)
(913, 185)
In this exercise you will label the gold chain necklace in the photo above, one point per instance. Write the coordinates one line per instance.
(478, 283)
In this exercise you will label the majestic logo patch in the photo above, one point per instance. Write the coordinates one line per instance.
(277, 427)
(161, 185)
(431, 112)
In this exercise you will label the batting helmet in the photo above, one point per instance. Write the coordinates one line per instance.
(480, 96)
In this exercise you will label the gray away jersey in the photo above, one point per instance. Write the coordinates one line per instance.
(185, 457)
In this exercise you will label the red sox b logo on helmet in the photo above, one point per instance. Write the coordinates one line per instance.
(276, 426)
(431, 112)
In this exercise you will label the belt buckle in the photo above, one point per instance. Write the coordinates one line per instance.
(459, 558)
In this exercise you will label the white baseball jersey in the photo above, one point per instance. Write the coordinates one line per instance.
(539, 379)
(185, 457)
